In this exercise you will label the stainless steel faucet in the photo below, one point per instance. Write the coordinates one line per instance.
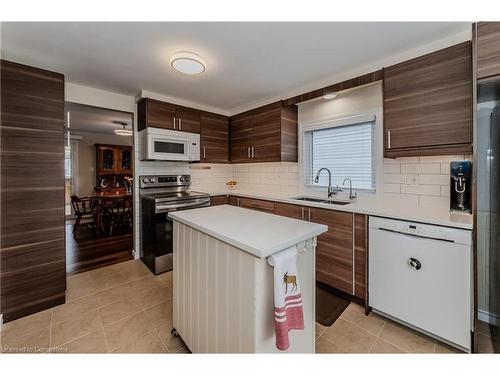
(351, 195)
(331, 190)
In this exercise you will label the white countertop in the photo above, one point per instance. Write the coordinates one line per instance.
(375, 206)
(258, 233)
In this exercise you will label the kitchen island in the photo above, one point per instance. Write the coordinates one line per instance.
(224, 285)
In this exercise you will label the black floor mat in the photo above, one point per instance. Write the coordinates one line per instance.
(328, 306)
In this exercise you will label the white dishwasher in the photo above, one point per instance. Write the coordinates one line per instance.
(420, 275)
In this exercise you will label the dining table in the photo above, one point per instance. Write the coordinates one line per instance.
(101, 200)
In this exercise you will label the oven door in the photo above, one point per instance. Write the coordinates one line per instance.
(159, 232)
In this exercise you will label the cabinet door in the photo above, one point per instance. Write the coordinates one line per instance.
(218, 200)
(266, 135)
(160, 114)
(488, 49)
(107, 160)
(428, 104)
(291, 210)
(233, 201)
(214, 138)
(257, 204)
(188, 120)
(124, 160)
(334, 252)
(241, 138)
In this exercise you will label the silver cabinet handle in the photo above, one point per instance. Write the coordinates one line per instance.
(388, 139)
(180, 124)
(302, 213)
(248, 151)
(174, 122)
(204, 152)
(414, 263)
(309, 214)
(253, 152)
(238, 202)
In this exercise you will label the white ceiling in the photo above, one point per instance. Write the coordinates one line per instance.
(85, 118)
(246, 62)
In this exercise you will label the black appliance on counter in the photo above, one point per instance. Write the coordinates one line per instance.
(159, 196)
(460, 185)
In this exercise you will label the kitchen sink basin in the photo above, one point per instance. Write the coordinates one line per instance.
(309, 199)
(320, 200)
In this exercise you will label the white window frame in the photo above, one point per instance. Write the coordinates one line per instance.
(374, 115)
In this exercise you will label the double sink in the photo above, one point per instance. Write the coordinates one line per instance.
(320, 200)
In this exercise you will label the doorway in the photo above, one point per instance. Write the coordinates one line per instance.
(99, 169)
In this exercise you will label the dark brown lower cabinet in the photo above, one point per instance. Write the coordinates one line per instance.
(334, 252)
(342, 252)
(32, 246)
(256, 204)
(218, 200)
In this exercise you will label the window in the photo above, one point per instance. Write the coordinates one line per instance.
(346, 147)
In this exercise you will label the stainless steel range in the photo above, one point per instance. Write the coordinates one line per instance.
(161, 194)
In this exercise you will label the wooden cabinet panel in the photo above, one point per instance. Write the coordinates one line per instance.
(33, 270)
(241, 138)
(214, 138)
(488, 49)
(233, 201)
(113, 159)
(156, 114)
(218, 200)
(291, 210)
(188, 119)
(360, 255)
(334, 252)
(256, 204)
(264, 134)
(428, 104)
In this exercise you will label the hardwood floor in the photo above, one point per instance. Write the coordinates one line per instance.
(88, 252)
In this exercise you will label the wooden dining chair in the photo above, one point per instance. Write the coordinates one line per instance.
(118, 211)
(84, 208)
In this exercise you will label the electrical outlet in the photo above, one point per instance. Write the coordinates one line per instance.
(411, 180)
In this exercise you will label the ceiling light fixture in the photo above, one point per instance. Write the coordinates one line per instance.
(188, 63)
(124, 131)
(330, 96)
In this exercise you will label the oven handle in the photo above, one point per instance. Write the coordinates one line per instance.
(170, 207)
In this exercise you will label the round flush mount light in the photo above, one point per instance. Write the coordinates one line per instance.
(330, 96)
(188, 63)
(124, 131)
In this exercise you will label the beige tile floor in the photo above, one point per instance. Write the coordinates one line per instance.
(121, 308)
(124, 308)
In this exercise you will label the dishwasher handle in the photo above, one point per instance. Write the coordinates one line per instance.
(414, 263)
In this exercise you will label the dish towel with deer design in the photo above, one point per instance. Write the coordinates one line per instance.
(288, 312)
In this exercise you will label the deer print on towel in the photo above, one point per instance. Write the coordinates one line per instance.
(292, 279)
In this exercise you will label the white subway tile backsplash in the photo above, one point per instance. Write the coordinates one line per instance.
(434, 179)
(445, 191)
(392, 188)
(421, 190)
(433, 168)
(392, 168)
(392, 178)
(412, 159)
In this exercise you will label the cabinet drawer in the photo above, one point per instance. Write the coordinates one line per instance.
(218, 200)
(257, 204)
(291, 210)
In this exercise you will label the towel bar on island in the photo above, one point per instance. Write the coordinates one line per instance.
(301, 247)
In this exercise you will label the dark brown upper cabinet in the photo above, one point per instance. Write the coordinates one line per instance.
(214, 138)
(428, 104)
(488, 49)
(158, 114)
(264, 134)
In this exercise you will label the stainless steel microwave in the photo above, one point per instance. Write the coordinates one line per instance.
(164, 144)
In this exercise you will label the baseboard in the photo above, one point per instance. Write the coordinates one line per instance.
(488, 317)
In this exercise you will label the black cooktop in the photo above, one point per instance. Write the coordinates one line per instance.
(167, 196)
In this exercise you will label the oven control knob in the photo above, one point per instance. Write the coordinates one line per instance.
(152, 180)
(181, 179)
(145, 180)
